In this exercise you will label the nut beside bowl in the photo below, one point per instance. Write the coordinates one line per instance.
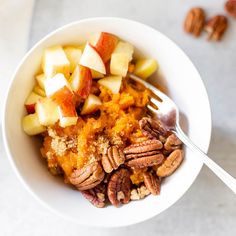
(184, 85)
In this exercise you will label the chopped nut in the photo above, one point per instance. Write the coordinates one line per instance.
(139, 193)
(194, 21)
(216, 27)
(230, 7)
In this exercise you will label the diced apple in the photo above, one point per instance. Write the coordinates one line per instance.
(39, 91)
(119, 64)
(73, 55)
(31, 101)
(41, 80)
(112, 83)
(91, 104)
(47, 111)
(55, 61)
(145, 67)
(96, 74)
(91, 59)
(125, 47)
(105, 44)
(52, 85)
(81, 81)
(64, 98)
(31, 125)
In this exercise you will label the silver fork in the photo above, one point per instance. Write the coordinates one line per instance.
(167, 111)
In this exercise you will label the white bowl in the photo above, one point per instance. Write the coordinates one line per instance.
(184, 85)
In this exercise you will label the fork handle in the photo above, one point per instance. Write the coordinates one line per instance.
(219, 171)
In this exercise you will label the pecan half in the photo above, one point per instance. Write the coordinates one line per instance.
(172, 143)
(113, 159)
(216, 27)
(171, 163)
(152, 128)
(118, 189)
(230, 7)
(97, 195)
(87, 177)
(152, 183)
(194, 21)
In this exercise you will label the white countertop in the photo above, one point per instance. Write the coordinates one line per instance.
(208, 208)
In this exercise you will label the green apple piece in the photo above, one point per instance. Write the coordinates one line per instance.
(145, 67)
(31, 125)
(91, 104)
(112, 83)
(47, 111)
(73, 55)
(126, 48)
(55, 61)
(119, 64)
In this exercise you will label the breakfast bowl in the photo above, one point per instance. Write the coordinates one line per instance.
(176, 74)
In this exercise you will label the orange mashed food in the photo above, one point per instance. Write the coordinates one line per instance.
(116, 123)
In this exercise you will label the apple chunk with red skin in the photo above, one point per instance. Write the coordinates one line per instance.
(31, 101)
(92, 59)
(81, 81)
(105, 44)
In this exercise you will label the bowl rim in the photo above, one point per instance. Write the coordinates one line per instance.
(13, 76)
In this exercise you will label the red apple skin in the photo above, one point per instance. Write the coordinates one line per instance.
(64, 98)
(30, 108)
(106, 45)
(85, 82)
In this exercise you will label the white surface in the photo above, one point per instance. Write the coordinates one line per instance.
(183, 91)
(208, 208)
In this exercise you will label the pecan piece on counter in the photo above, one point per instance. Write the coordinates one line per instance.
(172, 143)
(194, 21)
(87, 177)
(230, 7)
(216, 27)
(152, 183)
(139, 193)
(171, 163)
(152, 128)
(112, 159)
(97, 195)
(119, 187)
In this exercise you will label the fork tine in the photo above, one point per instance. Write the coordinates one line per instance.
(152, 109)
(155, 102)
(149, 86)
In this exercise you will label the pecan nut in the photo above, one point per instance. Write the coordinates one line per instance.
(172, 143)
(152, 128)
(230, 7)
(194, 21)
(113, 159)
(119, 187)
(171, 163)
(139, 193)
(152, 183)
(216, 27)
(87, 177)
(97, 195)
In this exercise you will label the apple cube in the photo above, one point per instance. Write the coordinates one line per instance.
(81, 81)
(54, 84)
(55, 61)
(31, 101)
(41, 80)
(105, 44)
(119, 64)
(91, 104)
(31, 125)
(91, 59)
(73, 55)
(64, 98)
(126, 48)
(47, 111)
(39, 91)
(96, 74)
(112, 83)
(145, 67)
